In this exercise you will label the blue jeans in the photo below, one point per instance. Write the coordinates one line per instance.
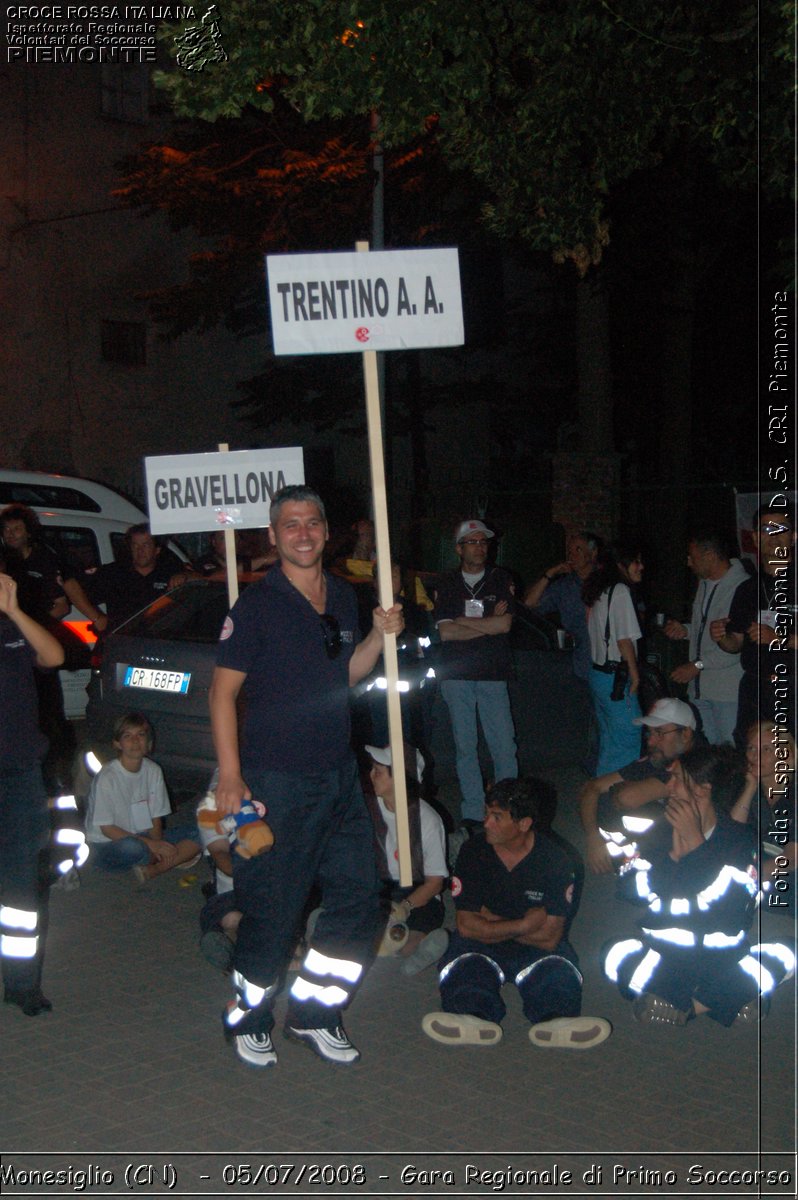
(473, 973)
(619, 739)
(465, 698)
(322, 832)
(718, 718)
(128, 852)
(24, 836)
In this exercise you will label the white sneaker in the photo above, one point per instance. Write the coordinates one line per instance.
(461, 1029)
(257, 1049)
(570, 1033)
(332, 1045)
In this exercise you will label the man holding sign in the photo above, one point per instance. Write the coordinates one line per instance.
(291, 644)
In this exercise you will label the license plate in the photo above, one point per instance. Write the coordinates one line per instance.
(156, 680)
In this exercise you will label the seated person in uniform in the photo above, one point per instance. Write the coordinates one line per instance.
(414, 928)
(126, 809)
(513, 891)
(693, 954)
(617, 807)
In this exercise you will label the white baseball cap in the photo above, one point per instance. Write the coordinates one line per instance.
(414, 762)
(468, 527)
(668, 712)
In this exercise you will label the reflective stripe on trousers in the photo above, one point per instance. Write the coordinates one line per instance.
(328, 981)
(18, 932)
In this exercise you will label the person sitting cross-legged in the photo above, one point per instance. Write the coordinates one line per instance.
(513, 892)
(693, 953)
(127, 805)
(414, 930)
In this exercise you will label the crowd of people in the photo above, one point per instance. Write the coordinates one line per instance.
(697, 823)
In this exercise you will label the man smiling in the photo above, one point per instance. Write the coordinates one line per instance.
(291, 643)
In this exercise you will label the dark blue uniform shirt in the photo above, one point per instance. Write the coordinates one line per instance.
(296, 696)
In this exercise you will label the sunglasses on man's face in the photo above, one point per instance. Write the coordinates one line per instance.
(331, 632)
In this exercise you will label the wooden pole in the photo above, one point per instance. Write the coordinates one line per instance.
(231, 564)
(385, 586)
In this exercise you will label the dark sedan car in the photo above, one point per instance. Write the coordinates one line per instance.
(161, 662)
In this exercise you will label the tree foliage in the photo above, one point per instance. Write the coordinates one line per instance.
(266, 182)
(548, 104)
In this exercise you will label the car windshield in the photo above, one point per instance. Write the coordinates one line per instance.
(194, 612)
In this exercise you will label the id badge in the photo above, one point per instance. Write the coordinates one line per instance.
(474, 608)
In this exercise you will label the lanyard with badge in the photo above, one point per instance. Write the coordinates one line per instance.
(473, 606)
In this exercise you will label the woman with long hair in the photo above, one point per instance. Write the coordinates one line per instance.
(693, 954)
(614, 632)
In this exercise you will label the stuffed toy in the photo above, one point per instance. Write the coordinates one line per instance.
(253, 835)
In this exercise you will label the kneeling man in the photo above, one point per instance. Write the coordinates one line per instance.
(513, 891)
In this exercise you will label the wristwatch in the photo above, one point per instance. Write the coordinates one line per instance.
(699, 666)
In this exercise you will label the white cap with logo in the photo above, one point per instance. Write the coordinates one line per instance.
(468, 527)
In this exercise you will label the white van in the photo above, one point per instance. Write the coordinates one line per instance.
(85, 523)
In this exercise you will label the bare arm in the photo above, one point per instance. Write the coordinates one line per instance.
(636, 793)
(369, 650)
(224, 689)
(59, 608)
(535, 928)
(534, 593)
(431, 887)
(742, 805)
(160, 850)
(732, 643)
(48, 650)
(463, 629)
(79, 600)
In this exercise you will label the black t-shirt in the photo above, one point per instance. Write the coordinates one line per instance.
(544, 879)
(297, 697)
(21, 742)
(485, 658)
(123, 590)
(38, 579)
(763, 592)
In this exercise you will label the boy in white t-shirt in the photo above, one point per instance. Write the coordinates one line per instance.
(127, 805)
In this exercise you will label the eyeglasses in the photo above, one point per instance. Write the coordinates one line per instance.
(474, 542)
(660, 731)
(331, 632)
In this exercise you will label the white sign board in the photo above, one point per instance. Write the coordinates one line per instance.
(194, 493)
(367, 300)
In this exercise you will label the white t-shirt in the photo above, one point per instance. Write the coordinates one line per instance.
(130, 799)
(433, 840)
(623, 624)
